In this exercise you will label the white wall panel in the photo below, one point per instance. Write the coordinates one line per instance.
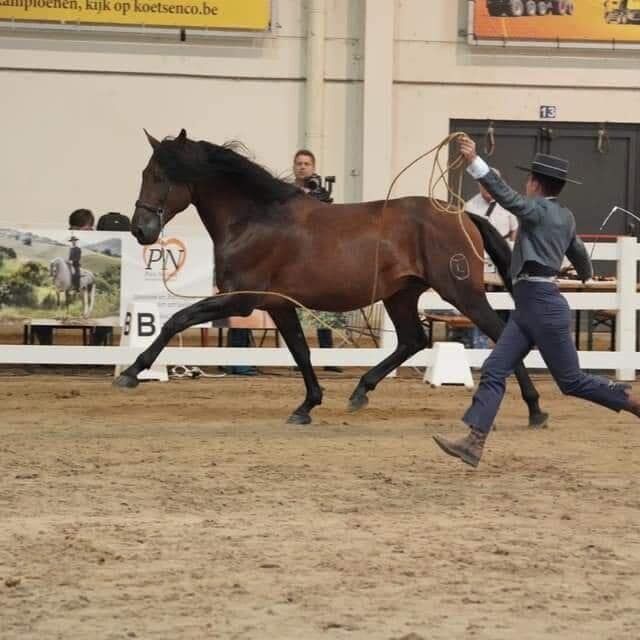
(74, 106)
(76, 140)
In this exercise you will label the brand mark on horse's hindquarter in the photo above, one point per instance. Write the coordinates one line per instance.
(459, 266)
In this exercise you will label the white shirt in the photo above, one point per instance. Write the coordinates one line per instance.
(500, 218)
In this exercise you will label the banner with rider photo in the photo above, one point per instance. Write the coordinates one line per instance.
(59, 274)
(92, 276)
(608, 22)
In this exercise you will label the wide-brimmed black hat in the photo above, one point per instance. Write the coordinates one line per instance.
(550, 166)
(73, 239)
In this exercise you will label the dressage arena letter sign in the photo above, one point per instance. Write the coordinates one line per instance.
(146, 324)
(244, 15)
(141, 326)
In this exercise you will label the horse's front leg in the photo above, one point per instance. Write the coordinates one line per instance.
(206, 310)
(288, 324)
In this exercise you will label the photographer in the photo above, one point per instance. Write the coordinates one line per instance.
(304, 170)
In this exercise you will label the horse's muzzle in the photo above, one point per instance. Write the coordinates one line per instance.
(145, 233)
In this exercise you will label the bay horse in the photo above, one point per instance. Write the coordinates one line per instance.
(269, 236)
(60, 272)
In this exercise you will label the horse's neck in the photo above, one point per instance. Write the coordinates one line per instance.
(219, 215)
(63, 274)
(212, 224)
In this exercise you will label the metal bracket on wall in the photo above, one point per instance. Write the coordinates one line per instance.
(490, 140)
(543, 140)
(603, 139)
(547, 133)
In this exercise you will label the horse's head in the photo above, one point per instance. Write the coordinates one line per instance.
(162, 194)
(53, 267)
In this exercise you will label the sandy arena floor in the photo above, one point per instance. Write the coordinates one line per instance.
(190, 510)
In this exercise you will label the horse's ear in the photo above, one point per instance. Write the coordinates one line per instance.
(182, 137)
(152, 141)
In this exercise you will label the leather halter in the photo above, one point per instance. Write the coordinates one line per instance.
(156, 210)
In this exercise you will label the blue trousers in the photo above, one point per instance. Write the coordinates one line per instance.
(542, 318)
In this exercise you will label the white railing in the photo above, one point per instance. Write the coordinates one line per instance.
(625, 300)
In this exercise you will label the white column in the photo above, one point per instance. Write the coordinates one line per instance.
(626, 322)
(377, 120)
(377, 116)
(314, 100)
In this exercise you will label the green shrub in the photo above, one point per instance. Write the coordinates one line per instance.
(50, 301)
(17, 292)
(33, 273)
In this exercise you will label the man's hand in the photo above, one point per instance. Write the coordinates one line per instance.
(467, 148)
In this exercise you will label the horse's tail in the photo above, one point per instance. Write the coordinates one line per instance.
(496, 246)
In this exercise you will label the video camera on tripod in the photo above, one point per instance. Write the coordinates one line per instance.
(320, 188)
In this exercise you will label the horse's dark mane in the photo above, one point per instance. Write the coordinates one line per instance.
(187, 161)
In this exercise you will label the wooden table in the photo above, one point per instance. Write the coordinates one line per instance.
(31, 327)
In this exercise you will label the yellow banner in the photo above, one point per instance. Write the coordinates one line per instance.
(213, 14)
(558, 20)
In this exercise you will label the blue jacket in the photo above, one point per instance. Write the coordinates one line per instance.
(547, 230)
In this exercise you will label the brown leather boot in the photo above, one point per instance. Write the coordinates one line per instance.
(633, 406)
(468, 449)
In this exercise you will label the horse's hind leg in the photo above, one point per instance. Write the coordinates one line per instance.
(288, 324)
(477, 308)
(402, 308)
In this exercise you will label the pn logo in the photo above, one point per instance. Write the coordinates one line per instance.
(168, 255)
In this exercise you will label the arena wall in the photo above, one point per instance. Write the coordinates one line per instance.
(74, 105)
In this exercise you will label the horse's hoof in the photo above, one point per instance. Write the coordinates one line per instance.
(124, 381)
(539, 420)
(357, 402)
(299, 418)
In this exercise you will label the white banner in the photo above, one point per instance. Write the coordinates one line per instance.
(175, 266)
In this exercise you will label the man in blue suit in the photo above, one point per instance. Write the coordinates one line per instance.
(542, 316)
